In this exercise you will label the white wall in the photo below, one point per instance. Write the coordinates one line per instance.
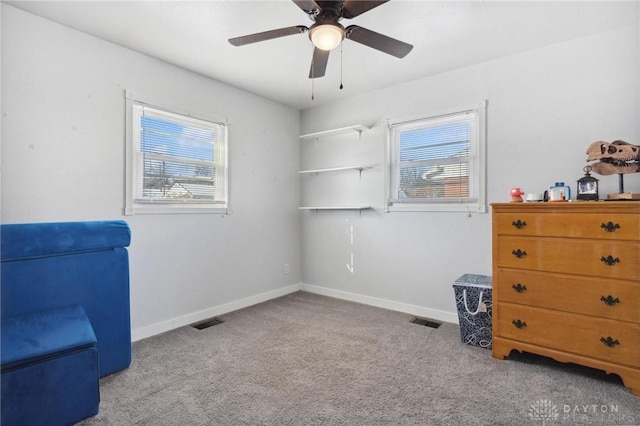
(544, 109)
(63, 159)
(63, 147)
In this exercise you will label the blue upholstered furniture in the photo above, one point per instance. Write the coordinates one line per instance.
(49, 368)
(65, 317)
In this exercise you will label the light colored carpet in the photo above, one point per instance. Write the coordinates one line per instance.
(305, 359)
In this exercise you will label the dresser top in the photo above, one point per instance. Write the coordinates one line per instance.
(631, 207)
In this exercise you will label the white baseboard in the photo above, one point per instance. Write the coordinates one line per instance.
(161, 327)
(419, 311)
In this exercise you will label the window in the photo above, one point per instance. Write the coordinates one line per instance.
(437, 163)
(176, 163)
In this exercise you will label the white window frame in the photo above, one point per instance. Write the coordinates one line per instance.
(477, 172)
(135, 205)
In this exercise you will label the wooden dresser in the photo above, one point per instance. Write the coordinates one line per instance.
(566, 283)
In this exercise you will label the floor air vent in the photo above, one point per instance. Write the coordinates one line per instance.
(207, 323)
(426, 321)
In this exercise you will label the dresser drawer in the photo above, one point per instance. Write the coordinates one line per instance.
(579, 225)
(599, 297)
(600, 338)
(610, 259)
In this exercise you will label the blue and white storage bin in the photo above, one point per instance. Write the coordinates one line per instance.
(473, 301)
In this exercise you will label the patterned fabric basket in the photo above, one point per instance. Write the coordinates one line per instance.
(473, 301)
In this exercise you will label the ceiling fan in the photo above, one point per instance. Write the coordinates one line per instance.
(327, 33)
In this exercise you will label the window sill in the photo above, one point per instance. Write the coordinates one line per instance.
(175, 209)
(443, 207)
(335, 208)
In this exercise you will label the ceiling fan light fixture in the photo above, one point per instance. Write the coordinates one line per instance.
(326, 36)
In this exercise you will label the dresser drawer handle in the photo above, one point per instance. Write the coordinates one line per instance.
(519, 287)
(610, 300)
(610, 342)
(610, 226)
(519, 324)
(609, 260)
(519, 253)
(519, 224)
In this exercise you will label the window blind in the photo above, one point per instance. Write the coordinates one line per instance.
(180, 158)
(434, 159)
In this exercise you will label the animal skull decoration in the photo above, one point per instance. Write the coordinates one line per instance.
(617, 157)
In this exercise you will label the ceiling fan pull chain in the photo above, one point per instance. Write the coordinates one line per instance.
(341, 86)
(313, 65)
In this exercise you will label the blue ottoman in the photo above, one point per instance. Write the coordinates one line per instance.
(50, 373)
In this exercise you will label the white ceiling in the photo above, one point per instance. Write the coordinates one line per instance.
(446, 35)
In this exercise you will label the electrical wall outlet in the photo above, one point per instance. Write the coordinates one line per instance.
(286, 268)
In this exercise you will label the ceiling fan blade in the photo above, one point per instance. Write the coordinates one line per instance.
(378, 41)
(319, 63)
(353, 8)
(267, 35)
(307, 6)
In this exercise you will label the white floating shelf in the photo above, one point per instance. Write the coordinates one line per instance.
(317, 135)
(335, 208)
(335, 169)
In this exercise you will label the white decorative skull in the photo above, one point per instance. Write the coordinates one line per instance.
(617, 157)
